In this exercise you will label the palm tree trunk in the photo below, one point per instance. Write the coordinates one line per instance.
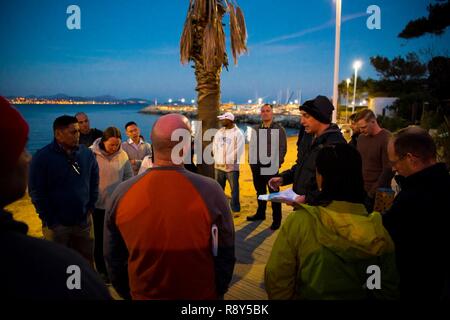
(208, 90)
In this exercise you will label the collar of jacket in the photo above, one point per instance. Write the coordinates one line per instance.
(271, 126)
(433, 173)
(130, 141)
(7, 223)
(348, 207)
(331, 130)
(57, 147)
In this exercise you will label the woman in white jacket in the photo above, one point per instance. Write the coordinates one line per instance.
(114, 168)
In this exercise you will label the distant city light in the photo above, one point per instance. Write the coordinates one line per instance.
(274, 102)
(193, 101)
(260, 100)
(170, 100)
(183, 100)
(296, 101)
(249, 101)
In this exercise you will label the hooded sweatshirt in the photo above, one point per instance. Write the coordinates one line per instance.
(113, 169)
(325, 253)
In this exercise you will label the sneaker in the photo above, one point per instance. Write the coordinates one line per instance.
(256, 217)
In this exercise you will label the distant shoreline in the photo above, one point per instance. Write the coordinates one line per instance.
(287, 121)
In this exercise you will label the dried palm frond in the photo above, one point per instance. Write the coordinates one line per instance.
(186, 37)
(238, 41)
(204, 19)
(199, 9)
(209, 46)
(241, 23)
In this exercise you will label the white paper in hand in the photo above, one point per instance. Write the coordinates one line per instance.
(287, 195)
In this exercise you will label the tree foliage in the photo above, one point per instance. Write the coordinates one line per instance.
(399, 68)
(437, 21)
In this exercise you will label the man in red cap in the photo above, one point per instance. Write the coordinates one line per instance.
(22, 277)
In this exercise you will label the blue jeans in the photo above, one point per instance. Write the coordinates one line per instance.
(233, 180)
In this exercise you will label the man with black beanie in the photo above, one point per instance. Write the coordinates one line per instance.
(315, 117)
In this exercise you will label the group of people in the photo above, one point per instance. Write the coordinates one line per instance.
(168, 233)
(72, 178)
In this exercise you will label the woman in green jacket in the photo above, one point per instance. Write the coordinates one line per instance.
(335, 249)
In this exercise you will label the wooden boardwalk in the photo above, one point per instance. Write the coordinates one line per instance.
(254, 242)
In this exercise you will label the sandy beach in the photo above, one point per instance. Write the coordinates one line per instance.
(23, 209)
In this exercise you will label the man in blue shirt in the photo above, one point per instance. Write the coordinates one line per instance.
(63, 186)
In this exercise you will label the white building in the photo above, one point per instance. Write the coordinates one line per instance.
(380, 105)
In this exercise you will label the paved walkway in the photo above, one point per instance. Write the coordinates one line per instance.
(254, 242)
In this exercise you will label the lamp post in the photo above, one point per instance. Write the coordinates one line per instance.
(336, 58)
(356, 65)
(346, 103)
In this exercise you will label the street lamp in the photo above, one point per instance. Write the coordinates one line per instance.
(249, 101)
(356, 65)
(346, 103)
(336, 58)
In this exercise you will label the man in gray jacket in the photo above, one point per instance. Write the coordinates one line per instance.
(266, 136)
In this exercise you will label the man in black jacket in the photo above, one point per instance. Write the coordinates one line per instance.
(319, 132)
(63, 186)
(32, 268)
(419, 218)
(263, 162)
(87, 134)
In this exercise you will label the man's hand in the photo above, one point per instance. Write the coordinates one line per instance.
(275, 183)
(297, 202)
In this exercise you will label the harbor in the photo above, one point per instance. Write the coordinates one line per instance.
(286, 115)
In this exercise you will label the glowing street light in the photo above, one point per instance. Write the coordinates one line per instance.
(260, 100)
(249, 101)
(274, 102)
(192, 101)
(337, 48)
(170, 100)
(183, 100)
(296, 101)
(356, 65)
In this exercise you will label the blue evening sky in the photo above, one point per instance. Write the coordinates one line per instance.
(130, 48)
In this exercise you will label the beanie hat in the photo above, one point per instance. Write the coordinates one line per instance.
(13, 134)
(319, 108)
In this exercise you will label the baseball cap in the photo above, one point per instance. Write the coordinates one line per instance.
(226, 115)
